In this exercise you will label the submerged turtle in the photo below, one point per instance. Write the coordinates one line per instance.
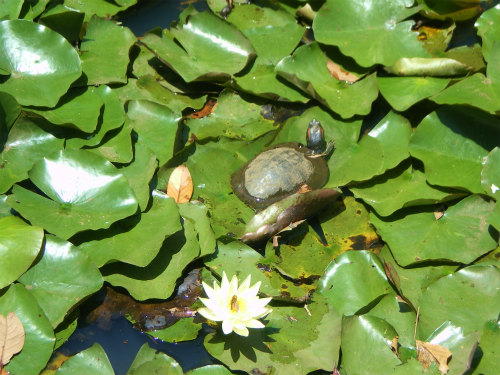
(283, 169)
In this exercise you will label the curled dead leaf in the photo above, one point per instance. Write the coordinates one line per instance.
(11, 337)
(428, 353)
(338, 73)
(394, 345)
(439, 213)
(180, 185)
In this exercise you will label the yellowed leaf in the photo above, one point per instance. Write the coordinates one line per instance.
(394, 345)
(337, 72)
(428, 353)
(439, 213)
(11, 337)
(180, 184)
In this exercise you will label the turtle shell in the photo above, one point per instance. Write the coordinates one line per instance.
(278, 172)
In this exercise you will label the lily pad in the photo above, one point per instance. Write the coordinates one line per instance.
(39, 339)
(451, 149)
(156, 126)
(158, 279)
(460, 235)
(118, 147)
(9, 112)
(85, 191)
(41, 63)
(370, 34)
(264, 27)
(105, 51)
(477, 90)
(61, 279)
(403, 186)
(210, 48)
(232, 117)
(307, 69)
(443, 300)
(490, 175)
(403, 92)
(20, 245)
(488, 28)
(433, 67)
(66, 21)
(183, 330)
(370, 338)
(27, 143)
(91, 361)
(489, 345)
(10, 9)
(150, 361)
(146, 231)
(79, 108)
(113, 116)
(98, 7)
(292, 342)
(343, 287)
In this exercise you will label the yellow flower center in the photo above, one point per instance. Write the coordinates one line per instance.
(235, 307)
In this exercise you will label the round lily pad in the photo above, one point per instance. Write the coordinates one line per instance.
(41, 63)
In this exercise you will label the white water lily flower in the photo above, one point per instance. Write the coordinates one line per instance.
(237, 307)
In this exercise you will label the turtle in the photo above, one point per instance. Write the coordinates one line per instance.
(283, 170)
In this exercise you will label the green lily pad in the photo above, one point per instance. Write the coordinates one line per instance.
(370, 338)
(451, 149)
(85, 191)
(494, 218)
(61, 279)
(233, 117)
(412, 282)
(403, 92)
(105, 51)
(488, 28)
(150, 361)
(460, 235)
(65, 21)
(370, 34)
(490, 175)
(118, 147)
(211, 48)
(9, 112)
(79, 108)
(477, 90)
(262, 80)
(403, 186)
(91, 361)
(65, 329)
(39, 337)
(393, 133)
(490, 348)
(210, 370)
(444, 299)
(156, 126)
(264, 27)
(140, 172)
(307, 69)
(20, 245)
(199, 215)
(399, 315)
(41, 63)
(5, 209)
(456, 10)
(156, 92)
(112, 117)
(146, 232)
(353, 280)
(27, 143)
(183, 330)
(158, 279)
(303, 255)
(293, 342)
(99, 7)
(10, 9)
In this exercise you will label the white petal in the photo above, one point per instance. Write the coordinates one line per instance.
(241, 330)
(209, 291)
(244, 285)
(227, 327)
(254, 324)
(252, 292)
(233, 287)
(208, 314)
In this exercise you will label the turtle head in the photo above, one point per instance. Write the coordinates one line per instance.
(316, 137)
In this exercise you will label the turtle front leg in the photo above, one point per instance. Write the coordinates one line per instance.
(227, 9)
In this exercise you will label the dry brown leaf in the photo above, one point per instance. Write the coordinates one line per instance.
(428, 353)
(180, 185)
(11, 337)
(337, 72)
(438, 214)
